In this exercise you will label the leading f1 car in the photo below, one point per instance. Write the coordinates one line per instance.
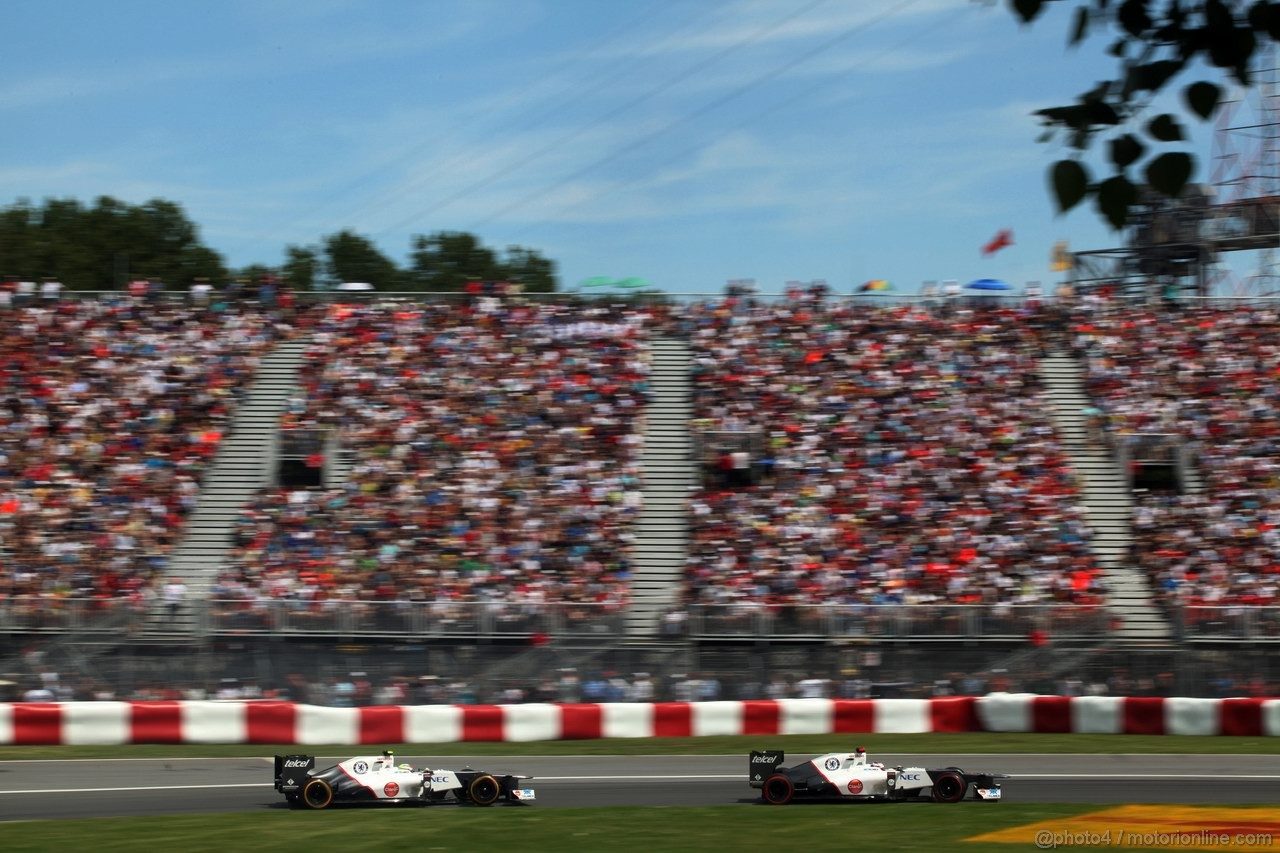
(379, 779)
(849, 776)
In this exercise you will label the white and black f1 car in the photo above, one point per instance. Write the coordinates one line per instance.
(849, 776)
(378, 779)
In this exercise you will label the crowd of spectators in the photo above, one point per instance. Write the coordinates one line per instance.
(109, 412)
(907, 457)
(495, 457)
(1211, 376)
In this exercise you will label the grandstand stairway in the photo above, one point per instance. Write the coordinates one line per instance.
(1107, 501)
(662, 533)
(243, 464)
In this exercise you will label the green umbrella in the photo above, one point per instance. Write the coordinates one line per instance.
(598, 281)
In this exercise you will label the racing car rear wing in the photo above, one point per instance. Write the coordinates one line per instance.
(292, 771)
(763, 763)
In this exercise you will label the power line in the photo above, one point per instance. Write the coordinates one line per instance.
(752, 119)
(461, 162)
(414, 152)
(700, 112)
(614, 113)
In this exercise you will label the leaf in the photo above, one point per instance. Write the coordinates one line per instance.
(1115, 196)
(1152, 76)
(1081, 29)
(1202, 98)
(1073, 116)
(1100, 112)
(1265, 18)
(1134, 18)
(1028, 9)
(1125, 150)
(1218, 19)
(1169, 172)
(1232, 47)
(1165, 128)
(1070, 182)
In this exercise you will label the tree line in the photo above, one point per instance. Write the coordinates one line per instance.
(105, 245)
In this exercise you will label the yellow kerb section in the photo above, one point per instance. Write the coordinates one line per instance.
(1159, 827)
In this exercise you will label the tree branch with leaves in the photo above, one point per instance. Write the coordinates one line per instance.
(1153, 43)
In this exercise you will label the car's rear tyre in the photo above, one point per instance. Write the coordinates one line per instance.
(317, 794)
(949, 788)
(484, 790)
(778, 790)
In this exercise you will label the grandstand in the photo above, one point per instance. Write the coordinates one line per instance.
(488, 492)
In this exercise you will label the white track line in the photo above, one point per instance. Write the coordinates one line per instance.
(1131, 776)
(140, 788)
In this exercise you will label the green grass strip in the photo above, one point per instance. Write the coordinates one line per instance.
(837, 827)
(795, 744)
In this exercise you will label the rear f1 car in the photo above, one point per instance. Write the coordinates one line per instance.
(848, 776)
(378, 779)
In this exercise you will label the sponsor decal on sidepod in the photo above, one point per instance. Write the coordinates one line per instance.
(391, 789)
(855, 786)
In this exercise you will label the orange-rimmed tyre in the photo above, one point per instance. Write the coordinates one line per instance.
(317, 794)
(778, 790)
(484, 790)
(949, 788)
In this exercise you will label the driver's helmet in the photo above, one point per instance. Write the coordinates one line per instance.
(862, 750)
(404, 767)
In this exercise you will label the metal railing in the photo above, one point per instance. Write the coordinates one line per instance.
(1233, 622)
(49, 614)
(418, 619)
(604, 623)
(897, 621)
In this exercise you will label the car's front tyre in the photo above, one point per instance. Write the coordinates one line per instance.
(484, 790)
(949, 788)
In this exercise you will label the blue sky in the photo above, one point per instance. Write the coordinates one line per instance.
(683, 142)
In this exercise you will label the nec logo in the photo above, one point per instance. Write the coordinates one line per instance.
(440, 779)
(909, 777)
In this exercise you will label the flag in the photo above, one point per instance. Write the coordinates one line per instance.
(998, 242)
(875, 284)
(1060, 260)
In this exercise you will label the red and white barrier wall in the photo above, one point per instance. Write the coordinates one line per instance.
(1128, 715)
(289, 723)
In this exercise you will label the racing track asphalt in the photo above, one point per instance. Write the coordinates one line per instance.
(33, 790)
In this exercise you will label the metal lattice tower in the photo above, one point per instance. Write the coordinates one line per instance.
(1183, 243)
(1246, 178)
